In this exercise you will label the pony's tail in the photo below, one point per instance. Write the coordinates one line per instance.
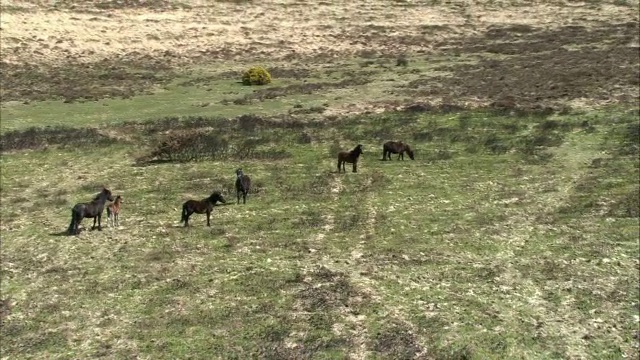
(72, 224)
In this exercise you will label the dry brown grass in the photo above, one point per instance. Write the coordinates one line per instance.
(38, 31)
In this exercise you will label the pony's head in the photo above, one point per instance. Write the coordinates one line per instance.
(239, 172)
(357, 150)
(409, 152)
(105, 193)
(216, 196)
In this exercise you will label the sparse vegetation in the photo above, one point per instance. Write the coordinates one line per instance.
(402, 61)
(514, 233)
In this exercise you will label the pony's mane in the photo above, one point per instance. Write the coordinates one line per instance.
(104, 191)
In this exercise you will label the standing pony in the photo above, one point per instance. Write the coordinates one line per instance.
(90, 210)
(113, 211)
(396, 147)
(200, 207)
(243, 184)
(350, 157)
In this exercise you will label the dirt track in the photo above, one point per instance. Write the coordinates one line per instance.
(546, 52)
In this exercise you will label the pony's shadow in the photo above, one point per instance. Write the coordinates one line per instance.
(151, 162)
(80, 231)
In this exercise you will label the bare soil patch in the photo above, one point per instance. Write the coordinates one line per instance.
(104, 48)
(543, 68)
(109, 78)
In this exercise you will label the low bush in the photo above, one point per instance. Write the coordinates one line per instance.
(40, 138)
(202, 145)
(257, 75)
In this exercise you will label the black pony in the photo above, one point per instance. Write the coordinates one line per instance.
(92, 209)
(349, 157)
(200, 207)
(243, 184)
(396, 147)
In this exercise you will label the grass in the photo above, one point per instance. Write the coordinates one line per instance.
(514, 233)
(471, 256)
(205, 92)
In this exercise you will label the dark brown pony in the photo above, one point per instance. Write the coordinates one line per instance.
(243, 184)
(113, 211)
(200, 207)
(350, 157)
(90, 210)
(396, 147)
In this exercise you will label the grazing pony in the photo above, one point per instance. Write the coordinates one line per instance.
(113, 211)
(396, 147)
(350, 157)
(243, 183)
(91, 209)
(200, 207)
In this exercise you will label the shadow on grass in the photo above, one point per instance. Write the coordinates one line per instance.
(61, 233)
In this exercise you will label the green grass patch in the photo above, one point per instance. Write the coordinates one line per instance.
(466, 252)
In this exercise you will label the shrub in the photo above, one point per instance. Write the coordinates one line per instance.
(190, 146)
(198, 145)
(66, 137)
(257, 75)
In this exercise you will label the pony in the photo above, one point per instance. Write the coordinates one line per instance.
(90, 210)
(349, 157)
(200, 207)
(396, 147)
(113, 211)
(243, 184)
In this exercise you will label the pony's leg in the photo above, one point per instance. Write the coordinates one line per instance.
(78, 220)
(76, 228)
(95, 220)
(208, 215)
(186, 217)
(238, 195)
(244, 197)
(99, 222)
(355, 166)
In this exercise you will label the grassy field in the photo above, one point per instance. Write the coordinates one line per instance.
(513, 235)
